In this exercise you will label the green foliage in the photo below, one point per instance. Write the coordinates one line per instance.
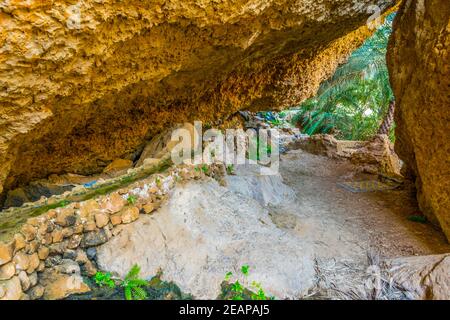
(245, 269)
(230, 169)
(238, 291)
(205, 169)
(133, 285)
(104, 279)
(353, 102)
(131, 199)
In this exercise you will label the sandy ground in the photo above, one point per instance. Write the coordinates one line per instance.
(378, 220)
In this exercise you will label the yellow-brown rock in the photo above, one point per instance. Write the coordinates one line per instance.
(87, 82)
(419, 63)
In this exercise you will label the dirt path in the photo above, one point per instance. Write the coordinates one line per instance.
(347, 221)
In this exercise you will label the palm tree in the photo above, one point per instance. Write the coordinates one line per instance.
(353, 102)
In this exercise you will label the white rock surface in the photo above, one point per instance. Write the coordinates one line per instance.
(205, 231)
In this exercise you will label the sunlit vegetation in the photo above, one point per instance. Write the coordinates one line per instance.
(352, 104)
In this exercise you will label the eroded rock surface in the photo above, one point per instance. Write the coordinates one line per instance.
(205, 231)
(419, 63)
(84, 83)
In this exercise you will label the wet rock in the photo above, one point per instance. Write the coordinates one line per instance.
(11, 289)
(62, 280)
(6, 252)
(7, 271)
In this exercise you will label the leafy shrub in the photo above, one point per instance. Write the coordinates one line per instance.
(133, 285)
(237, 290)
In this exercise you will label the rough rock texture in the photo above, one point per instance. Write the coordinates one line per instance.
(205, 231)
(84, 83)
(425, 277)
(419, 62)
(373, 156)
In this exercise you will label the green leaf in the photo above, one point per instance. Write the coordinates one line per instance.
(245, 269)
(139, 293)
(228, 275)
(128, 295)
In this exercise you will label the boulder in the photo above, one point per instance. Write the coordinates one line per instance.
(419, 65)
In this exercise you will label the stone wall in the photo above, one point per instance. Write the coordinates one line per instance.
(49, 255)
(419, 63)
(84, 83)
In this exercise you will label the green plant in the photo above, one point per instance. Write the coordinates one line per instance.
(418, 218)
(104, 279)
(237, 291)
(131, 199)
(354, 101)
(132, 285)
(205, 169)
(230, 169)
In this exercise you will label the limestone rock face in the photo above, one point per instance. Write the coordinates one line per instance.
(84, 83)
(419, 63)
(206, 230)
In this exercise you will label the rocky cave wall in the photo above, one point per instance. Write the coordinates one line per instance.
(83, 83)
(419, 64)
